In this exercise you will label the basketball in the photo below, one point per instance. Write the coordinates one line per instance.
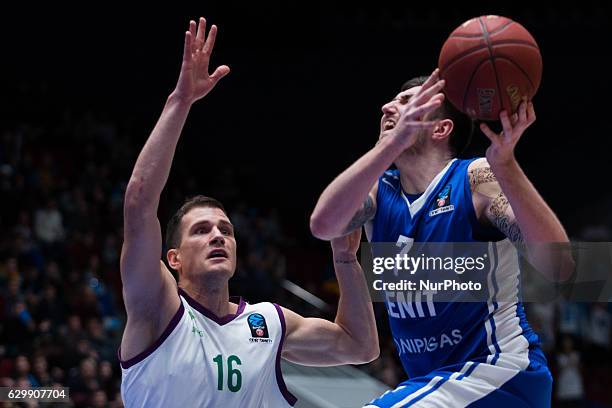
(490, 64)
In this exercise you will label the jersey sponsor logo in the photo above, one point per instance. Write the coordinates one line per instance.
(419, 345)
(259, 329)
(442, 204)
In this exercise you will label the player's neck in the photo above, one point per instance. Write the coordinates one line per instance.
(214, 298)
(418, 169)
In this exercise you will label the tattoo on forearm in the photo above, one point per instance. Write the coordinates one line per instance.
(365, 214)
(481, 176)
(499, 218)
(345, 261)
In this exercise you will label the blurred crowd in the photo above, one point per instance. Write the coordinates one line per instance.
(61, 308)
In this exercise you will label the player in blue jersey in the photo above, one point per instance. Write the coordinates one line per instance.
(456, 354)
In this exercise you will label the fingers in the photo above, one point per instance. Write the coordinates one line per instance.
(187, 47)
(421, 125)
(192, 30)
(196, 40)
(522, 112)
(506, 124)
(491, 135)
(425, 125)
(433, 78)
(219, 73)
(425, 108)
(531, 116)
(199, 42)
(210, 40)
(526, 113)
(514, 119)
(425, 95)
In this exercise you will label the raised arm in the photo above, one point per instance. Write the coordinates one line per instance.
(352, 338)
(512, 204)
(350, 200)
(149, 290)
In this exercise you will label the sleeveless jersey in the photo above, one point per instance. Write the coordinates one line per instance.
(204, 361)
(429, 334)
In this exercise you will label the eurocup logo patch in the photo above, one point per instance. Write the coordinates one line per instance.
(257, 324)
(443, 197)
(442, 203)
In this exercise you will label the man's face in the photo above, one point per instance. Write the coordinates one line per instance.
(392, 111)
(208, 244)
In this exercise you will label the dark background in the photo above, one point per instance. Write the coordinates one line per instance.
(307, 83)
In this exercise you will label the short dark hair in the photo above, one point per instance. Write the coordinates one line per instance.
(463, 128)
(173, 230)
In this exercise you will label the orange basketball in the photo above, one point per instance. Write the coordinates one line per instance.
(490, 63)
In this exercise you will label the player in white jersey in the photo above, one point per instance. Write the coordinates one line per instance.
(190, 345)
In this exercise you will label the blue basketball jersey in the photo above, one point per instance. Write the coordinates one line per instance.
(429, 334)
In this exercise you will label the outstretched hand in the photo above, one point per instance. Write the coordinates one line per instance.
(501, 150)
(194, 80)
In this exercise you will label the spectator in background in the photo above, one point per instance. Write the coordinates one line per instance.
(83, 381)
(572, 318)
(99, 399)
(48, 223)
(570, 390)
(599, 327)
(22, 371)
(106, 378)
(41, 372)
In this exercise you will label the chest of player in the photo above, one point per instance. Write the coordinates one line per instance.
(229, 356)
(444, 216)
(214, 362)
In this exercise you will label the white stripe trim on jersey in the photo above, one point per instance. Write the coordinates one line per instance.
(490, 307)
(420, 391)
(391, 185)
(464, 370)
(460, 392)
(507, 322)
(420, 202)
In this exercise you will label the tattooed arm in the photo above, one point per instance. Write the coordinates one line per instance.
(491, 204)
(364, 215)
(512, 204)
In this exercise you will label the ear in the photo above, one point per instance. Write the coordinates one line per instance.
(174, 260)
(443, 129)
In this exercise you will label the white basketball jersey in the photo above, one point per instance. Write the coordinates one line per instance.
(204, 361)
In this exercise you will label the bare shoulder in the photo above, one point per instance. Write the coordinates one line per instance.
(480, 175)
(291, 319)
(480, 162)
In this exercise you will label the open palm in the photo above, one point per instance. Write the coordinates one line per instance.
(194, 80)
